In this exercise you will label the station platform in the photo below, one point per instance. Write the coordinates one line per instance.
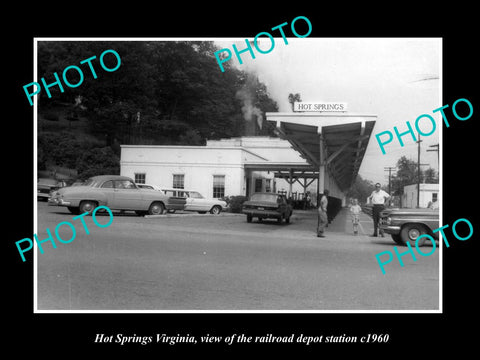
(341, 224)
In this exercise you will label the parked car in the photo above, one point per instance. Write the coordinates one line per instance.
(149, 187)
(197, 202)
(406, 225)
(45, 186)
(176, 205)
(267, 206)
(116, 192)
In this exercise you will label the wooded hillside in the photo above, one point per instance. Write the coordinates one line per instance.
(164, 92)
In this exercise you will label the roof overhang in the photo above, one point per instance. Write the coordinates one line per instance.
(345, 139)
(284, 166)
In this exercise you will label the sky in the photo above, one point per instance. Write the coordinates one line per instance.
(397, 79)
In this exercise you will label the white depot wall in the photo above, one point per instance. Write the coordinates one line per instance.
(198, 164)
(332, 186)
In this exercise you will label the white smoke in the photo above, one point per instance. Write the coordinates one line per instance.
(247, 96)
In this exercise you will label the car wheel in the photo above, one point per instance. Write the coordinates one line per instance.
(249, 218)
(87, 207)
(157, 208)
(216, 210)
(287, 220)
(280, 219)
(410, 233)
(398, 239)
(73, 210)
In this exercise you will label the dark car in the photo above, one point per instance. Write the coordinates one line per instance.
(45, 186)
(406, 225)
(267, 206)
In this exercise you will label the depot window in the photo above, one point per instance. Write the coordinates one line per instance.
(178, 181)
(140, 178)
(218, 186)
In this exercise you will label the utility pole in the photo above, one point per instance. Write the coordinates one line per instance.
(389, 169)
(418, 171)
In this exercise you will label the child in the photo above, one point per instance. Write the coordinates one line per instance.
(355, 210)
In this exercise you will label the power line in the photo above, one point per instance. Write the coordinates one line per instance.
(436, 149)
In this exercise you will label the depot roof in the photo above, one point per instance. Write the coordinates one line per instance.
(345, 138)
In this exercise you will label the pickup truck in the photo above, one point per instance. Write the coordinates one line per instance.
(406, 225)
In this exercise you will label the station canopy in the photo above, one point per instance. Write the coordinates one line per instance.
(335, 142)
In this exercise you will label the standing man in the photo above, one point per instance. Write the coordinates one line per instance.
(322, 214)
(378, 199)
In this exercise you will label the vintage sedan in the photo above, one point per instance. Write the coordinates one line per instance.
(267, 206)
(197, 202)
(406, 225)
(116, 192)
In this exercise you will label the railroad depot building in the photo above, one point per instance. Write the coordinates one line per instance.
(227, 167)
(321, 149)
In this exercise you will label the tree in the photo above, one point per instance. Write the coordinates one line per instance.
(62, 149)
(430, 176)
(292, 98)
(361, 189)
(110, 100)
(406, 175)
(98, 161)
(164, 92)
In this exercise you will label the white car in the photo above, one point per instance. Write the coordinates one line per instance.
(197, 202)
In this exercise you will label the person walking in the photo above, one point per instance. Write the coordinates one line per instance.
(378, 199)
(355, 210)
(322, 214)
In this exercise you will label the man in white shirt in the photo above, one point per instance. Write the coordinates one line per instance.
(378, 199)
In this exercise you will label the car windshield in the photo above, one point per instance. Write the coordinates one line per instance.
(264, 197)
(124, 184)
(195, 195)
(89, 182)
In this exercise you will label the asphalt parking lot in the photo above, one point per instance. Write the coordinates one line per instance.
(194, 262)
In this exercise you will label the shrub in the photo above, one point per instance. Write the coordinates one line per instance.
(236, 203)
(98, 161)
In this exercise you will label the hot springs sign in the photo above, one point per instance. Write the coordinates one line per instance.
(317, 106)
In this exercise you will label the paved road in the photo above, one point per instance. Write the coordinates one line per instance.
(206, 262)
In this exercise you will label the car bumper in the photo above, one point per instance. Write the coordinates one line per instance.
(390, 229)
(262, 214)
(58, 202)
